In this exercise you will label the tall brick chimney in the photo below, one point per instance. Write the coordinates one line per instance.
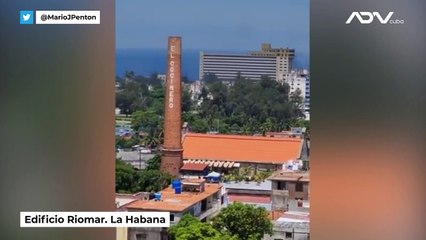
(171, 160)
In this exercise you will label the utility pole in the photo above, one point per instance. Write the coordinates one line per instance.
(140, 158)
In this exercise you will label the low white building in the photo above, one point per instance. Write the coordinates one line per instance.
(195, 89)
(291, 225)
(161, 77)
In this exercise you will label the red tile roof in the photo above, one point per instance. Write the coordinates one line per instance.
(194, 167)
(173, 202)
(239, 148)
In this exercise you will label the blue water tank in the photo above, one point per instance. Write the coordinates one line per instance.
(157, 196)
(176, 183)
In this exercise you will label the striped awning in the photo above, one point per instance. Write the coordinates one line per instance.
(213, 163)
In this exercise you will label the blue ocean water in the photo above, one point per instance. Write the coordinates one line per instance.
(148, 61)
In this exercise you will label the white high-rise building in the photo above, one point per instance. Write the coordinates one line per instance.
(228, 66)
(299, 80)
(272, 62)
(283, 56)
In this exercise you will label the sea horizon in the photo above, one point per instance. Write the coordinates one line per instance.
(147, 61)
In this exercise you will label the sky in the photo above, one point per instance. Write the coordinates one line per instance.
(222, 25)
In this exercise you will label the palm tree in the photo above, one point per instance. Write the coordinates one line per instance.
(246, 130)
(258, 178)
(152, 139)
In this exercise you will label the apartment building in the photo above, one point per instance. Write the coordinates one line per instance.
(290, 190)
(192, 196)
(271, 62)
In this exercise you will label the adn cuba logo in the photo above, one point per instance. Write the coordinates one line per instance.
(369, 17)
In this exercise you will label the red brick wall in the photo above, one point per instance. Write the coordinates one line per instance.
(173, 112)
(172, 147)
(171, 162)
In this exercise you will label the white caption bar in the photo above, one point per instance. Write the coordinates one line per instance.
(68, 17)
(95, 219)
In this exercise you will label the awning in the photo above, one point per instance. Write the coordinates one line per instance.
(212, 163)
(213, 174)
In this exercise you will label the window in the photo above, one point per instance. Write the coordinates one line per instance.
(299, 187)
(281, 185)
(288, 235)
(172, 217)
(141, 236)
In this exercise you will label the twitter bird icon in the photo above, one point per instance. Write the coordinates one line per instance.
(26, 17)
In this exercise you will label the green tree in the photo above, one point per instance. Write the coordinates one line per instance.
(190, 228)
(131, 180)
(297, 100)
(199, 125)
(195, 122)
(133, 95)
(260, 105)
(153, 180)
(154, 163)
(153, 138)
(157, 104)
(186, 100)
(246, 129)
(139, 93)
(266, 126)
(246, 106)
(244, 221)
(125, 177)
(209, 78)
(302, 123)
(129, 75)
(147, 121)
(121, 142)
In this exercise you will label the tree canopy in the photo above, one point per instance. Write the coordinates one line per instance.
(248, 106)
(239, 106)
(131, 180)
(236, 222)
(244, 221)
(125, 177)
(139, 93)
(190, 228)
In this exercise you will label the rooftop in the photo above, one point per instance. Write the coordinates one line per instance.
(239, 148)
(134, 156)
(286, 175)
(263, 186)
(173, 202)
(285, 134)
(122, 199)
(234, 54)
(199, 167)
(297, 220)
